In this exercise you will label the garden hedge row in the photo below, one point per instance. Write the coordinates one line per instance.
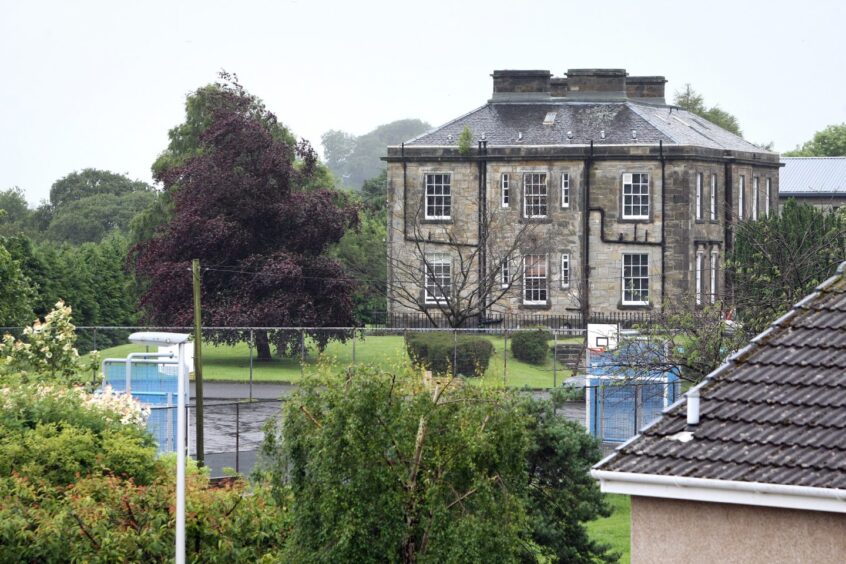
(438, 351)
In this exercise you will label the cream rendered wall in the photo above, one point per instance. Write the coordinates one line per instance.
(674, 531)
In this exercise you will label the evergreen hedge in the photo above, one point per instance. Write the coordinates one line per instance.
(531, 346)
(438, 351)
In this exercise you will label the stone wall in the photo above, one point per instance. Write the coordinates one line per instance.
(561, 232)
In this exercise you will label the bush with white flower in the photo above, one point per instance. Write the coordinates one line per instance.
(129, 410)
(47, 350)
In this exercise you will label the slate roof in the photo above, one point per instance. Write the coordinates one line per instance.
(501, 123)
(775, 413)
(812, 175)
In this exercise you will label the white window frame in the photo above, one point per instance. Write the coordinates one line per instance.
(565, 270)
(447, 195)
(543, 198)
(714, 263)
(769, 192)
(642, 195)
(565, 189)
(632, 277)
(527, 276)
(713, 197)
(740, 193)
(700, 259)
(699, 180)
(756, 183)
(432, 262)
(505, 189)
(504, 272)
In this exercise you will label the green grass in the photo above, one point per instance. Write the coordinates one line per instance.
(232, 363)
(615, 530)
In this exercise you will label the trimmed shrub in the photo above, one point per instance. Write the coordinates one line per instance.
(437, 351)
(531, 346)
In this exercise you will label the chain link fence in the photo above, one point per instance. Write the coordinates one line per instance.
(286, 354)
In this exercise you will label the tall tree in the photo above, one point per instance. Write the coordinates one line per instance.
(91, 218)
(374, 193)
(185, 142)
(92, 182)
(240, 207)
(382, 469)
(778, 260)
(354, 159)
(362, 253)
(85, 206)
(16, 292)
(830, 142)
(690, 100)
(15, 215)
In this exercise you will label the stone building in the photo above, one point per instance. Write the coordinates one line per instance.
(585, 194)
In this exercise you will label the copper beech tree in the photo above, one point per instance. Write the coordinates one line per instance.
(261, 239)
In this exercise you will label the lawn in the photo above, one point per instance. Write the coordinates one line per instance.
(616, 529)
(232, 363)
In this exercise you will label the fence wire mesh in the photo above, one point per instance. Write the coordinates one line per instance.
(278, 354)
(248, 370)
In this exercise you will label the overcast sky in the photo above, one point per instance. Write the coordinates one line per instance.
(98, 84)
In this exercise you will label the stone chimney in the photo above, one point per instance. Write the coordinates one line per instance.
(520, 84)
(558, 87)
(596, 84)
(601, 85)
(646, 88)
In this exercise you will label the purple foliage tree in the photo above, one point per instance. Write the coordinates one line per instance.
(261, 240)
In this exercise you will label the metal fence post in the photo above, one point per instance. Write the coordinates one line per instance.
(505, 358)
(600, 412)
(302, 352)
(237, 436)
(94, 370)
(252, 336)
(638, 398)
(454, 352)
(169, 424)
(554, 358)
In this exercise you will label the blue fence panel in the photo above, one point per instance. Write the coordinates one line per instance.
(155, 386)
(622, 400)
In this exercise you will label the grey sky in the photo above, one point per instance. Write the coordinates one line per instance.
(98, 84)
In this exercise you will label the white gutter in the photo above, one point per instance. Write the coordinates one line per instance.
(722, 491)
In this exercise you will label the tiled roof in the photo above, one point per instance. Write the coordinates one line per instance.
(502, 124)
(810, 175)
(775, 413)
